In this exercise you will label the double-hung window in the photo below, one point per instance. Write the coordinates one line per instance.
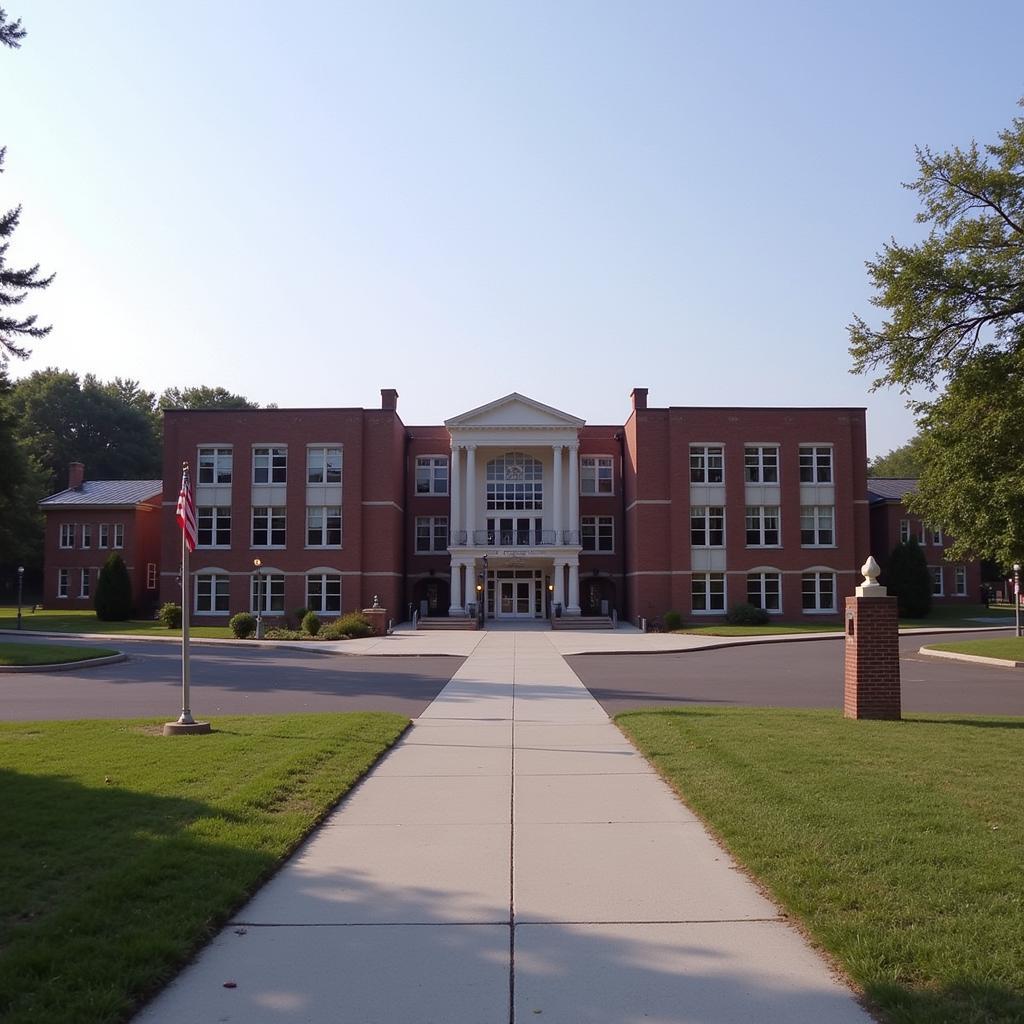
(937, 538)
(706, 464)
(764, 590)
(323, 592)
(960, 581)
(431, 474)
(118, 535)
(937, 589)
(596, 474)
(761, 464)
(213, 526)
(86, 535)
(214, 465)
(83, 589)
(431, 534)
(323, 526)
(62, 582)
(323, 465)
(104, 539)
(707, 526)
(268, 526)
(211, 593)
(904, 531)
(598, 534)
(762, 526)
(269, 465)
(707, 591)
(816, 464)
(818, 591)
(67, 535)
(817, 526)
(272, 587)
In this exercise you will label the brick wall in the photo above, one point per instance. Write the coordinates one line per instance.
(871, 680)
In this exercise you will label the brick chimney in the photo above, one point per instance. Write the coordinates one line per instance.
(76, 476)
(389, 399)
(639, 397)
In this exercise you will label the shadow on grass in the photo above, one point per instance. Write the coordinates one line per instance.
(975, 723)
(105, 892)
(967, 1001)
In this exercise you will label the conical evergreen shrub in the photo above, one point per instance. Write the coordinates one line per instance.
(910, 580)
(113, 591)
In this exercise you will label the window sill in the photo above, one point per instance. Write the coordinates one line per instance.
(227, 611)
(321, 547)
(820, 611)
(267, 547)
(821, 547)
(713, 611)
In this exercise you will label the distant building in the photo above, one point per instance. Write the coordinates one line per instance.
(89, 520)
(892, 524)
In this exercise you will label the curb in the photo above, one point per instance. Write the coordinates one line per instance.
(977, 659)
(65, 666)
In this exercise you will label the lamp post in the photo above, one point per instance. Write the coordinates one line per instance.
(258, 563)
(1016, 596)
(21, 578)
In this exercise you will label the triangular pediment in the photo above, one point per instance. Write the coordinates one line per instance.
(512, 411)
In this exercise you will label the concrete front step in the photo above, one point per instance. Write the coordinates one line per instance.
(583, 622)
(446, 623)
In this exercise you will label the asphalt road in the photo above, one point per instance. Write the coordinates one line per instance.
(225, 681)
(795, 675)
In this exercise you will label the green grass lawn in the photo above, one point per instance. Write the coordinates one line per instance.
(1011, 648)
(769, 630)
(49, 654)
(85, 621)
(123, 851)
(898, 845)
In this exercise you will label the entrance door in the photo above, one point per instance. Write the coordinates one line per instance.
(515, 599)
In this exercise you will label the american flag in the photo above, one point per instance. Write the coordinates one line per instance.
(186, 511)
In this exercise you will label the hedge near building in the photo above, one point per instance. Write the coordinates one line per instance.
(113, 591)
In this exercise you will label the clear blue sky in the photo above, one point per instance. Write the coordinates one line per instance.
(306, 202)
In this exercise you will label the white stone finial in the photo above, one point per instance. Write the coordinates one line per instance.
(870, 586)
(376, 601)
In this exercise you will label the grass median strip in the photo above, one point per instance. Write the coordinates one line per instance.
(124, 850)
(1009, 648)
(49, 654)
(898, 845)
(85, 621)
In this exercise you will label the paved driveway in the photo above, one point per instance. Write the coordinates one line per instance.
(225, 680)
(805, 674)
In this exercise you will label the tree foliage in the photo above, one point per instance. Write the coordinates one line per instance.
(204, 397)
(23, 484)
(15, 283)
(905, 461)
(954, 315)
(908, 577)
(111, 427)
(113, 600)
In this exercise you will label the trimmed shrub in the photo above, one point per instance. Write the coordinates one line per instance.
(170, 615)
(747, 615)
(908, 577)
(672, 621)
(277, 633)
(242, 625)
(353, 626)
(113, 601)
(311, 623)
(298, 615)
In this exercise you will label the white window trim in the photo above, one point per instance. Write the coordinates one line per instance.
(764, 570)
(432, 493)
(322, 576)
(86, 533)
(595, 493)
(761, 446)
(959, 572)
(266, 571)
(725, 593)
(253, 546)
(84, 584)
(820, 570)
(63, 579)
(103, 536)
(597, 528)
(432, 520)
(270, 446)
(71, 531)
(904, 531)
(941, 592)
(341, 455)
(817, 527)
(215, 447)
(761, 529)
(213, 531)
(118, 545)
(305, 532)
(703, 446)
(707, 527)
(830, 445)
(217, 573)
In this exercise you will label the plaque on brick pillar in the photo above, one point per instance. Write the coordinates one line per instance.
(871, 682)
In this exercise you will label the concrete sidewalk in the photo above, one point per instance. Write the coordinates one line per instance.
(513, 858)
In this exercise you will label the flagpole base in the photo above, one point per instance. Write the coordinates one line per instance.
(186, 728)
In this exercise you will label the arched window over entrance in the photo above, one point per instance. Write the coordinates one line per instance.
(515, 483)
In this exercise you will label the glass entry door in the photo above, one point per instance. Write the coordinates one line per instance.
(515, 599)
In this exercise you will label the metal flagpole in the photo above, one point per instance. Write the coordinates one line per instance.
(186, 711)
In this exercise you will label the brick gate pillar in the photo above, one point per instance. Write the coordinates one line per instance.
(872, 664)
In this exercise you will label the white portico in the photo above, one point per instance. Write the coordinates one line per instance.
(514, 520)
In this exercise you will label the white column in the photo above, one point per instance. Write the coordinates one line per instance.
(455, 518)
(470, 491)
(456, 607)
(556, 499)
(574, 489)
(574, 589)
(559, 582)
